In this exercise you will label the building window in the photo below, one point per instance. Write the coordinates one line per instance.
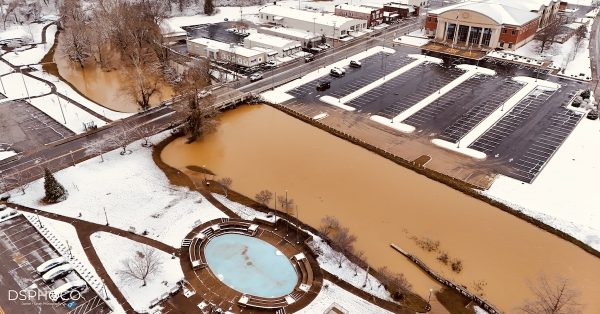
(514, 32)
(502, 44)
(504, 31)
(510, 45)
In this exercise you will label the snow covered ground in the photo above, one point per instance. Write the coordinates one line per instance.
(19, 86)
(74, 116)
(573, 59)
(113, 250)
(35, 54)
(331, 294)
(133, 191)
(563, 195)
(66, 234)
(412, 41)
(65, 89)
(5, 68)
(7, 154)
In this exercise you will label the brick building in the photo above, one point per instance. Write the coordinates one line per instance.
(490, 24)
(373, 16)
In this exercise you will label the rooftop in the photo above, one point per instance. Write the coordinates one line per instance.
(293, 32)
(496, 10)
(307, 16)
(272, 40)
(355, 8)
(239, 50)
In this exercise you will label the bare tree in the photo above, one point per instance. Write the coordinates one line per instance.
(547, 35)
(357, 259)
(145, 132)
(143, 265)
(143, 82)
(11, 8)
(552, 297)
(120, 137)
(209, 7)
(96, 148)
(338, 257)
(76, 44)
(385, 276)
(264, 197)
(329, 224)
(398, 283)
(285, 203)
(343, 241)
(225, 184)
(199, 109)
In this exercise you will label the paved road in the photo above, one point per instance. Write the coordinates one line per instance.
(595, 55)
(57, 156)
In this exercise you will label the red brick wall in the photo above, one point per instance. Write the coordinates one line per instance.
(431, 23)
(563, 5)
(515, 35)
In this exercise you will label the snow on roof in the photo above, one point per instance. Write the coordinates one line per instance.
(374, 5)
(354, 8)
(271, 40)
(238, 50)
(269, 52)
(499, 12)
(293, 32)
(529, 5)
(307, 16)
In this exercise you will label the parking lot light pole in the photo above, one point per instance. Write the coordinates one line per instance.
(106, 297)
(61, 108)
(37, 213)
(105, 216)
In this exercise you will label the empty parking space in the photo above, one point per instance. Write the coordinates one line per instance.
(22, 249)
(511, 121)
(470, 119)
(529, 165)
(426, 87)
(394, 85)
(304, 90)
(450, 99)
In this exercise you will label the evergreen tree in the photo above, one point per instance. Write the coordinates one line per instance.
(209, 7)
(55, 192)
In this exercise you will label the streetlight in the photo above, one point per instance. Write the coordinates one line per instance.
(106, 297)
(37, 213)
(297, 226)
(429, 299)
(105, 216)
(23, 78)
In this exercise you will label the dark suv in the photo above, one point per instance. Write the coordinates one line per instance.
(323, 86)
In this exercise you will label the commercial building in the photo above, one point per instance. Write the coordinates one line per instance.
(304, 37)
(220, 51)
(329, 25)
(284, 47)
(373, 16)
(490, 24)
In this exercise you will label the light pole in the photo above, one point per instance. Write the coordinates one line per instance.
(3, 88)
(61, 108)
(37, 213)
(105, 216)
(23, 78)
(287, 225)
(297, 226)
(106, 297)
(429, 299)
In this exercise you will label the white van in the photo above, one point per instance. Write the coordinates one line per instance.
(66, 291)
(57, 272)
(49, 264)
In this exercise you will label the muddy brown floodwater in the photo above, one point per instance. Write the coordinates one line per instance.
(103, 87)
(381, 202)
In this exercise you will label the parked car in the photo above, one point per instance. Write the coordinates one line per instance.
(65, 291)
(4, 197)
(336, 72)
(315, 50)
(271, 64)
(341, 69)
(49, 264)
(57, 272)
(256, 76)
(204, 93)
(355, 64)
(592, 115)
(8, 213)
(324, 85)
(309, 58)
(322, 47)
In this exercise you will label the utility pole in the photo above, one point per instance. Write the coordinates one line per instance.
(61, 108)
(297, 226)
(105, 216)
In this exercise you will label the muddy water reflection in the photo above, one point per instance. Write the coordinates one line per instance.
(103, 87)
(381, 202)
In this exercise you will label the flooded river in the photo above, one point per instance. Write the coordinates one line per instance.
(382, 203)
(103, 87)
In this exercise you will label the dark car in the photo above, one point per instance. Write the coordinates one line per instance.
(309, 58)
(592, 115)
(355, 64)
(323, 86)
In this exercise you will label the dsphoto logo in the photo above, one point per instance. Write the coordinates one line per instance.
(37, 297)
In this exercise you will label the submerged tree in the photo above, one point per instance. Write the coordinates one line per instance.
(209, 7)
(76, 44)
(552, 297)
(55, 192)
(264, 197)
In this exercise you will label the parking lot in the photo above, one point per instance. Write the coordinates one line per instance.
(22, 250)
(515, 145)
(216, 31)
(26, 127)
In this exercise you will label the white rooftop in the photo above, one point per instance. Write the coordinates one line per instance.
(298, 33)
(495, 10)
(307, 16)
(272, 40)
(238, 50)
(355, 8)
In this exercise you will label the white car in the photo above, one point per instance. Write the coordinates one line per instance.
(49, 264)
(204, 93)
(67, 290)
(340, 69)
(255, 77)
(59, 271)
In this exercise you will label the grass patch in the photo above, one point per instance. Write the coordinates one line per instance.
(454, 302)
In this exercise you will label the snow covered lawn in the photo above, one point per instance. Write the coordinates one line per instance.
(74, 116)
(35, 54)
(563, 195)
(133, 191)
(22, 86)
(7, 154)
(113, 250)
(331, 294)
(5, 68)
(66, 90)
(412, 41)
